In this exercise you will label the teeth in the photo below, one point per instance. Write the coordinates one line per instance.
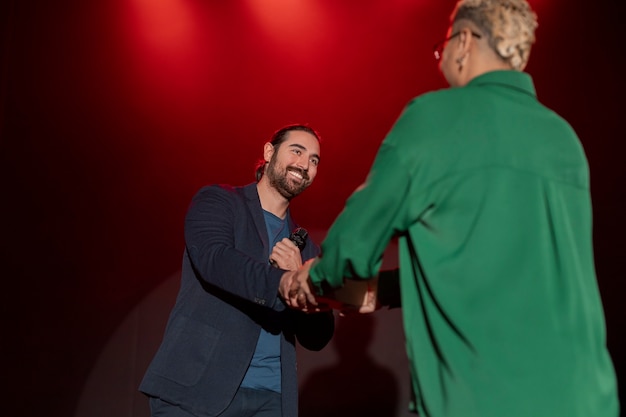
(296, 174)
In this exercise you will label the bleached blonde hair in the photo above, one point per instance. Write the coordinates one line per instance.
(509, 26)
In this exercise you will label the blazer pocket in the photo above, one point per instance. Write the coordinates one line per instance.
(186, 350)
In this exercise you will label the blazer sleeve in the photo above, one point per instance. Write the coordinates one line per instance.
(224, 247)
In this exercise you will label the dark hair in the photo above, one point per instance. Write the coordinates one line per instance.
(279, 137)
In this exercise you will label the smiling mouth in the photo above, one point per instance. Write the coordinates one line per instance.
(297, 174)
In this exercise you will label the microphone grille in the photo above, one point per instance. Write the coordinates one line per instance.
(298, 237)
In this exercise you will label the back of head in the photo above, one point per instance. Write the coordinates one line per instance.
(508, 25)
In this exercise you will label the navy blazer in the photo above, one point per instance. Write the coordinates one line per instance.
(228, 291)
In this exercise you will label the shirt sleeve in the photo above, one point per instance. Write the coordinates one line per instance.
(356, 241)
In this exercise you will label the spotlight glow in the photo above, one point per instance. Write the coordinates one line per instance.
(168, 46)
(289, 22)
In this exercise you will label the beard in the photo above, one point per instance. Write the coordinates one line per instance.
(280, 179)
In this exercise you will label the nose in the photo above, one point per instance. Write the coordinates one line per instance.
(303, 162)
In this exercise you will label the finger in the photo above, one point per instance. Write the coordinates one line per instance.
(286, 287)
(308, 293)
(310, 298)
(302, 300)
(288, 242)
(295, 303)
(293, 298)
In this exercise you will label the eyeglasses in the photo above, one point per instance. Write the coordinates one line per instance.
(438, 48)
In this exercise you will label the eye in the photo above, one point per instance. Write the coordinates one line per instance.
(314, 161)
(297, 152)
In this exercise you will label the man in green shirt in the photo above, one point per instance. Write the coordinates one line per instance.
(488, 193)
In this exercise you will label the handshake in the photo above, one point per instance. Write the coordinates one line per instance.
(356, 295)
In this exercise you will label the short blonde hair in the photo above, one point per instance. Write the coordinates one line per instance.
(509, 26)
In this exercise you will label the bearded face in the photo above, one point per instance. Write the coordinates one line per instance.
(289, 181)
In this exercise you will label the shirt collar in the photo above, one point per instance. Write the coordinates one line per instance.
(517, 80)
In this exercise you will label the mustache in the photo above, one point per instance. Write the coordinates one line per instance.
(304, 173)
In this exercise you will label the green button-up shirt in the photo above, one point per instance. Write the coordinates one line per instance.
(488, 193)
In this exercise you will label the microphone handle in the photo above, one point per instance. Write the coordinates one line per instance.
(298, 237)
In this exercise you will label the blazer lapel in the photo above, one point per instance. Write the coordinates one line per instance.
(256, 212)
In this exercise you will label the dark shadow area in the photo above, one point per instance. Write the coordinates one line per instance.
(356, 385)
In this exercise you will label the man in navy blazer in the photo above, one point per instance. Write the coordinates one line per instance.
(229, 344)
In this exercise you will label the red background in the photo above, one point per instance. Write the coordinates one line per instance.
(115, 112)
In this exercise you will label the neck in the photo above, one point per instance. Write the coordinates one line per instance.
(486, 63)
(271, 200)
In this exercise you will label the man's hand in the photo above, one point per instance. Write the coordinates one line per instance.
(295, 289)
(286, 255)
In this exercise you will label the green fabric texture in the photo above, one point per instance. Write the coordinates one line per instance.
(488, 193)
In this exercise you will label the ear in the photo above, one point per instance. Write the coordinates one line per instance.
(268, 151)
(465, 44)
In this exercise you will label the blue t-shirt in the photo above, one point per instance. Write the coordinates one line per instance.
(264, 370)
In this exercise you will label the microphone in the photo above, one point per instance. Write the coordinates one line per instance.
(298, 237)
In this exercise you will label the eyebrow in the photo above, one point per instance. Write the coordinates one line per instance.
(297, 145)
